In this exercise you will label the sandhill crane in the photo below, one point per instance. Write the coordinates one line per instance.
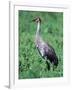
(45, 50)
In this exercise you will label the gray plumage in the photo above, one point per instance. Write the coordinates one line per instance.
(46, 51)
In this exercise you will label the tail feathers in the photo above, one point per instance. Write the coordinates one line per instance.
(56, 61)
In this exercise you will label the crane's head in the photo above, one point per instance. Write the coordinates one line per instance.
(37, 19)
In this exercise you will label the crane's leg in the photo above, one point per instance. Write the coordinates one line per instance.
(52, 66)
(48, 65)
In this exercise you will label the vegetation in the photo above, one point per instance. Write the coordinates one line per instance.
(31, 64)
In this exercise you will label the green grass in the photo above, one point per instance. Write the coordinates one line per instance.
(31, 64)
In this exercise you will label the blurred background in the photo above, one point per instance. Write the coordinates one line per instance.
(31, 64)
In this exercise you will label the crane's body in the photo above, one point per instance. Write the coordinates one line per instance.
(45, 50)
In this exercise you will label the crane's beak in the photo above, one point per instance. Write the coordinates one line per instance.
(34, 20)
(37, 19)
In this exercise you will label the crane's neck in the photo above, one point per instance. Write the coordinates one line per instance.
(38, 29)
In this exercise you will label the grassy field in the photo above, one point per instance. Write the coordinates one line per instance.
(31, 64)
